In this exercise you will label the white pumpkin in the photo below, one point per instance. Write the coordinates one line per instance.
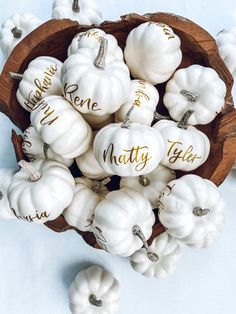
(144, 97)
(15, 29)
(226, 41)
(88, 194)
(83, 11)
(34, 148)
(168, 252)
(195, 88)
(91, 39)
(41, 190)
(150, 185)
(186, 148)
(128, 150)
(5, 181)
(61, 127)
(94, 290)
(40, 79)
(98, 122)
(123, 221)
(192, 210)
(89, 166)
(153, 52)
(95, 82)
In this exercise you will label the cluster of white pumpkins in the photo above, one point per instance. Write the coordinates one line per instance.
(89, 110)
(97, 89)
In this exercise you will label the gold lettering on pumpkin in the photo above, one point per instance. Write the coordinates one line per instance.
(175, 153)
(41, 87)
(136, 155)
(31, 218)
(76, 101)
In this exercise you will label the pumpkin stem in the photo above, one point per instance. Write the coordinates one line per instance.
(34, 175)
(200, 212)
(16, 76)
(126, 122)
(100, 60)
(158, 116)
(1, 195)
(76, 6)
(191, 97)
(94, 301)
(183, 124)
(144, 181)
(139, 233)
(45, 150)
(97, 187)
(17, 33)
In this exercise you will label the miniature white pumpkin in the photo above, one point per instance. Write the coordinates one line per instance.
(89, 166)
(91, 39)
(128, 149)
(41, 190)
(95, 82)
(144, 97)
(83, 11)
(192, 210)
(226, 41)
(88, 194)
(168, 252)
(98, 122)
(152, 52)
(15, 29)
(61, 127)
(195, 88)
(151, 185)
(34, 148)
(186, 148)
(40, 79)
(5, 180)
(123, 221)
(94, 291)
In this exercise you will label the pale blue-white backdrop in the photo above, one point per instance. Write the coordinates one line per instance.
(37, 265)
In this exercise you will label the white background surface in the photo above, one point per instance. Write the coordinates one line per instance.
(37, 265)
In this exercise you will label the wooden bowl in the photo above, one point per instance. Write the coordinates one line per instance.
(53, 38)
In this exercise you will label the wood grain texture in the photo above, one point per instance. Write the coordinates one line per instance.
(53, 38)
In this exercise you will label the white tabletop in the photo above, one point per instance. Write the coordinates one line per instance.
(37, 265)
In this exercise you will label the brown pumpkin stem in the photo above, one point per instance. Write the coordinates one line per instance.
(183, 124)
(76, 6)
(16, 76)
(100, 60)
(200, 212)
(97, 187)
(126, 122)
(191, 97)
(17, 33)
(139, 233)
(144, 181)
(34, 175)
(94, 301)
(158, 117)
(45, 150)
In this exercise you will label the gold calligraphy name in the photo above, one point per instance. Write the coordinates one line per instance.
(167, 31)
(48, 114)
(41, 87)
(90, 33)
(31, 218)
(27, 144)
(140, 94)
(135, 155)
(76, 101)
(175, 152)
